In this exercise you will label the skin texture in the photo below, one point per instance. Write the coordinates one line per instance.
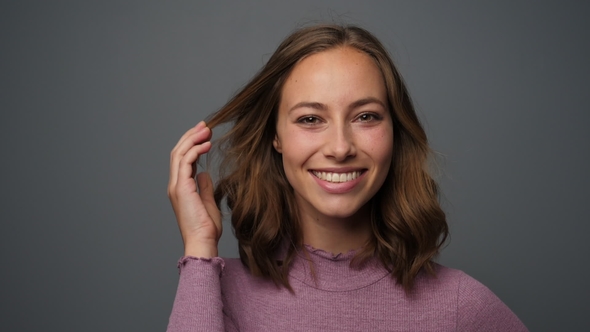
(332, 117)
(198, 217)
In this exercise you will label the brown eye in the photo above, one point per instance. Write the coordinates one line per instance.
(368, 117)
(309, 120)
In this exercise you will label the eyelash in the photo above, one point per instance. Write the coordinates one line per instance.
(313, 120)
(304, 120)
(374, 117)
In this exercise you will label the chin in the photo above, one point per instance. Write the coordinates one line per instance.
(340, 213)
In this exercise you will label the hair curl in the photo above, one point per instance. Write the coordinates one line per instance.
(408, 224)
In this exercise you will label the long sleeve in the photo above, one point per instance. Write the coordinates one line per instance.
(198, 304)
(479, 309)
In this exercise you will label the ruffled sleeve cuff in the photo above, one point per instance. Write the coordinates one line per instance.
(187, 261)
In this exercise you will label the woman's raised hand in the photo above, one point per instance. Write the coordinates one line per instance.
(199, 218)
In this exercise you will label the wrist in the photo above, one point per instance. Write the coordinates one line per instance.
(202, 249)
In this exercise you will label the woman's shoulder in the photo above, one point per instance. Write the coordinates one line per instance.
(234, 270)
(455, 283)
(477, 307)
(233, 264)
(445, 280)
(467, 288)
(237, 277)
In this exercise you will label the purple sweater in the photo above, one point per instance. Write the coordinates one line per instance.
(221, 295)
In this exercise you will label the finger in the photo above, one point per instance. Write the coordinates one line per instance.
(194, 129)
(195, 137)
(189, 142)
(206, 191)
(183, 147)
(173, 154)
(185, 169)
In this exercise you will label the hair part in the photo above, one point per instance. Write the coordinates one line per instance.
(409, 226)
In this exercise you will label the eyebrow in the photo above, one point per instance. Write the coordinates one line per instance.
(365, 101)
(323, 107)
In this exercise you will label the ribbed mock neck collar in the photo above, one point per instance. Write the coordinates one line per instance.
(333, 272)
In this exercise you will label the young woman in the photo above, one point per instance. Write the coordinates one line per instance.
(337, 219)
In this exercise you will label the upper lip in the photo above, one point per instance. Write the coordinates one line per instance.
(338, 169)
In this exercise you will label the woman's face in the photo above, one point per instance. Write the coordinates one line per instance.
(334, 132)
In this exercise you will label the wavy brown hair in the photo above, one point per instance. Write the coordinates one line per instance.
(409, 226)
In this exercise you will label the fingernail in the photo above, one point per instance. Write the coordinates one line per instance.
(200, 125)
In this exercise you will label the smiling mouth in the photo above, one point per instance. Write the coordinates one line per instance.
(337, 177)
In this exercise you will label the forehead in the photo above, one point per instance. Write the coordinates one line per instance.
(334, 76)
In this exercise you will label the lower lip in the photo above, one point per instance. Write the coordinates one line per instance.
(338, 187)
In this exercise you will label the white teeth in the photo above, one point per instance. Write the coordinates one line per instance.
(337, 177)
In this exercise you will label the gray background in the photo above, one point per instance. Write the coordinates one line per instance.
(95, 94)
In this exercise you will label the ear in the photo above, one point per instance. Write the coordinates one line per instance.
(277, 144)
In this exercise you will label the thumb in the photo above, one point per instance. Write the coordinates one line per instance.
(206, 192)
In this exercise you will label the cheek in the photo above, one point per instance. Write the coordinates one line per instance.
(293, 163)
(380, 145)
(294, 149)
(295, 155)
(298, 149)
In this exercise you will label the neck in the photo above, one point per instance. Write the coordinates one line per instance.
(337, 235)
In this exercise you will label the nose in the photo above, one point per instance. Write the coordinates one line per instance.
(340, 143)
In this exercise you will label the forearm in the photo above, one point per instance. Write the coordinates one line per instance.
(198, 305)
